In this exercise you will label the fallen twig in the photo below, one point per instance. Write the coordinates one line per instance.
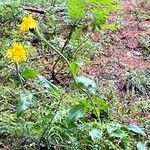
(35, 10)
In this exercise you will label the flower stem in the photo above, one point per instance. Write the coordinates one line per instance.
(19, 76)
(38, 34)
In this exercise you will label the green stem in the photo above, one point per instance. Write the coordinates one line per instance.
(35, 93)
(19, 76)
(37, 33)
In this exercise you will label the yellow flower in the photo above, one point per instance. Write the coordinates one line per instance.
(28, 23)
(16, 53)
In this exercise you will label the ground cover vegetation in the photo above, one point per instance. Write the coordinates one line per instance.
(74, 75)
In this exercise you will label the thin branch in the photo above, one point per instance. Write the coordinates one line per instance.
(70, 34)
(35, 10)
(64, 46)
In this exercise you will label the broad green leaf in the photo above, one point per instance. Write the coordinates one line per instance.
(74, 68)
(76, 112)
(126, 139)
(25, 102)
(118, 133)
(112, 127)
(76, 9)
(29, 73)
(95, 134)
(44, 82)
(136, 129)
(114, 130)
(53, 89)
(141, 146)
(86, 83)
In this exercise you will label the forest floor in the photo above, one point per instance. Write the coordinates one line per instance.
(123, 52)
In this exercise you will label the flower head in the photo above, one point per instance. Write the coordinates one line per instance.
(16, 53)
(28, 23)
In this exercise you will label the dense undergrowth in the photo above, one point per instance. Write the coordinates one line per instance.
(48, 103)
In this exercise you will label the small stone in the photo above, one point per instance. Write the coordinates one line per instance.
(133, 53)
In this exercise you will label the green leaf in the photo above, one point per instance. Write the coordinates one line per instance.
(74, 68)
(76, 9)
(76, 34)
(29, 73)
(114, 130)
(95, 134)
(101, 104)
(76, 112)
(141, 146)
(99, 16)
(46, 84)
(86, 83)
(112, 127)
(118, 133)
(126, 139)
(26, 100)
(136, 129)
(108, 26)
(53, 89)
